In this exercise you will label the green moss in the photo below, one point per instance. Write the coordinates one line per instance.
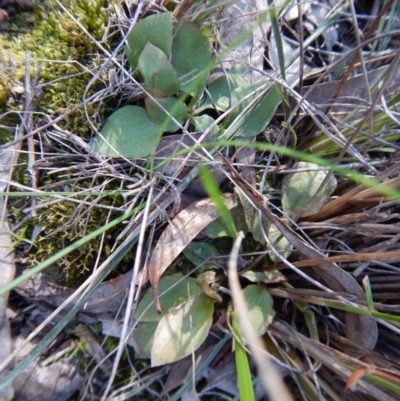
(67, 59)
(66, 222)
(58, 45)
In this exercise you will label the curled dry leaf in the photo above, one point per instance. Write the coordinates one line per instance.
(179, 233)
(204, 280)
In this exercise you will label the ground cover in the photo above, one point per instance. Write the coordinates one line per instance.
(199, 200)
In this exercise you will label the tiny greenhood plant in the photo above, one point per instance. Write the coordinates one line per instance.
(162, 57)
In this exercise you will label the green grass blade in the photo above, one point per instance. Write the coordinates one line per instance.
(245, 384)
(368, 293)
(356, 177)
(212, 189)
(279, 46)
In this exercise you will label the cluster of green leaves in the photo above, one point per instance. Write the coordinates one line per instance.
(163, 56)
(187, 318)
(187, 309)
(250, 117)
(174, 77)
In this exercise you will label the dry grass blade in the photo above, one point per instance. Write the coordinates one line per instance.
(268, 373)
(7, 267)
(336, 361)
(358, 257)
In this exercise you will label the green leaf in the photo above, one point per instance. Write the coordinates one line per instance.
(160, 78)
(155, 29)
(252, 218)
(283, 245)
(198, 252)
(130, 132)
(171, 299)
(299, 188)
(201, 123)
(191, 57)
(257, 117)
(244, 381)
(215, 194)
(143, 339)
(241, 92)
(261, 307)
(182, 330)
(220, 91)
(175, 108)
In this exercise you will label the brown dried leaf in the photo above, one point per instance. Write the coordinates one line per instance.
(339, 205)
(181, 231)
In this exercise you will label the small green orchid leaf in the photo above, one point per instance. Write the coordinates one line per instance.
(155, 29)
(182, 330)
(191, 58)
(201, 123)
(267, 277)
(204, 280)
(198, 252)
(258, 116)
(173, 106)
(252, 218)
(261, 307)
(299, 188)
(143, 339)
(220, 92)
(216, 229)
(179, 290)
(160, 78)
(130, 132)
(240, 70)
(283, 246)
(239, 93)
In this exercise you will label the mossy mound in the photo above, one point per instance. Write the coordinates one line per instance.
(67, 58)
(66, 222)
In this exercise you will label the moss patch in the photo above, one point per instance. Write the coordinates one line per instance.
(67, 59)
(66, 56)
(66, 222)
